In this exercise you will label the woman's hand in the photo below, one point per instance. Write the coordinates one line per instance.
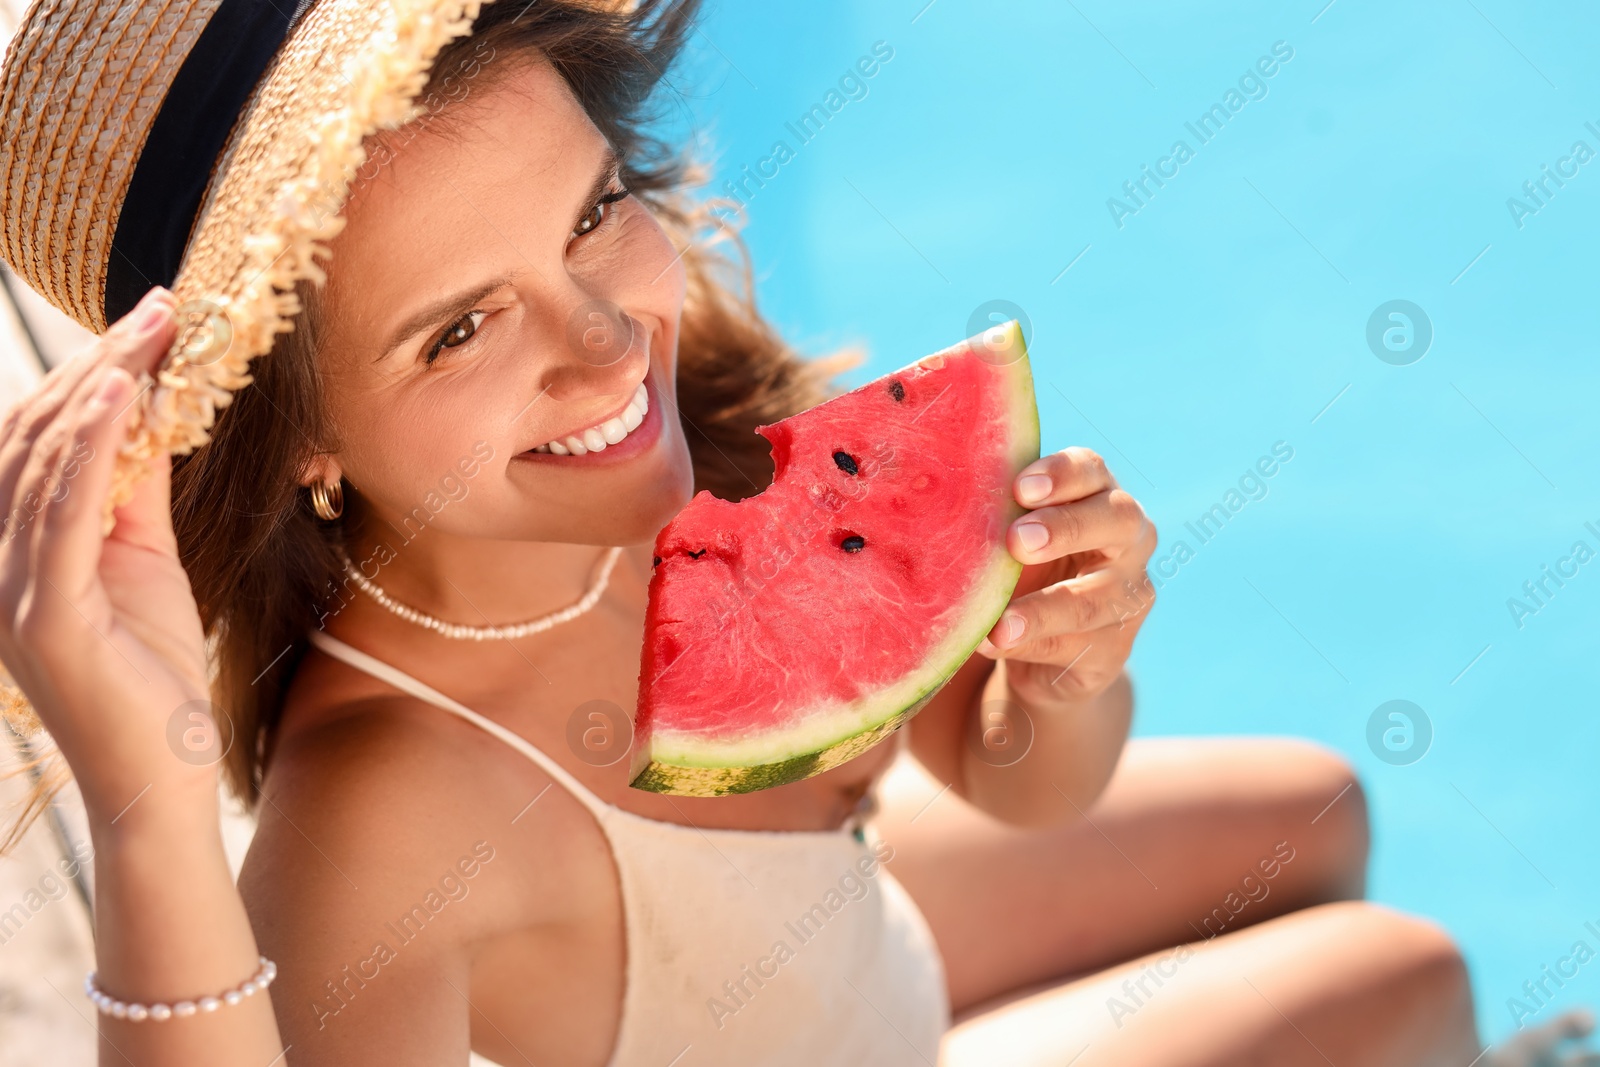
(1083, 592)
(101, 632)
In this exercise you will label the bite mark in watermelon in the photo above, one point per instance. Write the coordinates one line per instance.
(791, 631)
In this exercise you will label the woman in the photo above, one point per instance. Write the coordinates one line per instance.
(438, 444)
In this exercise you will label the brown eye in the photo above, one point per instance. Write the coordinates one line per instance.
(592, 220)
(599, 213)
(459, 333)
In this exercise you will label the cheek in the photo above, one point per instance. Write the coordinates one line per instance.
(406, 447)
(646, 266)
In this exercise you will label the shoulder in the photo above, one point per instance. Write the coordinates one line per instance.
(375, 804)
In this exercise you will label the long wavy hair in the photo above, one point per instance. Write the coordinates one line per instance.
(261, 565)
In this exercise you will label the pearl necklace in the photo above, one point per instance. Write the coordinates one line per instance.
(461, 632)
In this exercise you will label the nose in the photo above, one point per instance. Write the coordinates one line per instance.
(600, 333)
(604, 352)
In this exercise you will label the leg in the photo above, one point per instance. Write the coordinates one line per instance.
(1348, 983)
(1171, 853)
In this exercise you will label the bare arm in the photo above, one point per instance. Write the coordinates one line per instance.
(1031, 730)
(1025, 762)
(381, 858)
(1073, 746)
(103, 636)
(170, 927)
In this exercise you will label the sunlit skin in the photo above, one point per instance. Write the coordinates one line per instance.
(490, 199)
(528, 237)
(1026, 874)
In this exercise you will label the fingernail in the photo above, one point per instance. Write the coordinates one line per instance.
(1033, 535)
(1011, 627)
(1032, 488)
(110, 390)
(152, 311)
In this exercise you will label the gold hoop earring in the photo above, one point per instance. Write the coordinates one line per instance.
(327, 499)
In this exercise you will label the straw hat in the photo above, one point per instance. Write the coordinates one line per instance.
(204, 145)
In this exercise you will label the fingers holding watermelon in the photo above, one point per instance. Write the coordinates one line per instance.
(1067, 475)
(1070, 606)
(1083, 592)
(1110, 523)
(1072, 667)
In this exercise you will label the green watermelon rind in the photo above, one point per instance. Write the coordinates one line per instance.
(747, 766)
(687, 764)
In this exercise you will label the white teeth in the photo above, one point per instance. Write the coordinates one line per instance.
(610, 432)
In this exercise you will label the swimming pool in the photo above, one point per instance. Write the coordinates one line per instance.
(1193, 310)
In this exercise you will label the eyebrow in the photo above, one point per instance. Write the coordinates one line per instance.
(437, 312)
(453, 306)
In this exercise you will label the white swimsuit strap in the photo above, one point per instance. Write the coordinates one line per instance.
(407, 684)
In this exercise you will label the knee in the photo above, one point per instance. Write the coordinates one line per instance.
(1419, 960)
(1338, 836)
(1431, 977)
(1425, 949)
(1402, 977)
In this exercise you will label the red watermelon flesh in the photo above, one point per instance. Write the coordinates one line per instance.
(793, 630)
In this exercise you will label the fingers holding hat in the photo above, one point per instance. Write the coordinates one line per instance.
(75, 479)
(43, 439)
(131, 343)
(122, 345)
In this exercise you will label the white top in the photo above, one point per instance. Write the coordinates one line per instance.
(749, 946)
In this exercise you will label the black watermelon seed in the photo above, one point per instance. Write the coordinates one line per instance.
(655, 561)
(853, 543)
(897, 390)
(846, 462)
(696, 555)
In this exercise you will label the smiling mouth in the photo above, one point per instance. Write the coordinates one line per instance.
(610, 432)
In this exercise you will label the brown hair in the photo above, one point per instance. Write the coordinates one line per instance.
(259, 562)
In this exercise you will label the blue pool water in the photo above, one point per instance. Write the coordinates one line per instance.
(1187, 332)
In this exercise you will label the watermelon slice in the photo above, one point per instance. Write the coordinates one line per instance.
(793, 630)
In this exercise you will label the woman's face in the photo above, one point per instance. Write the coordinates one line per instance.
(493, 291)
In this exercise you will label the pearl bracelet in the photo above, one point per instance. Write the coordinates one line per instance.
(184, 1008)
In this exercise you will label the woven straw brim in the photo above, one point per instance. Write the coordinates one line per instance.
(349, 69)
(79, 97)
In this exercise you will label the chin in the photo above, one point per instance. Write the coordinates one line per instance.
(641, 514)
(662, 504)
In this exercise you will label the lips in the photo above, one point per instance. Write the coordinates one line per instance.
(599, 436)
